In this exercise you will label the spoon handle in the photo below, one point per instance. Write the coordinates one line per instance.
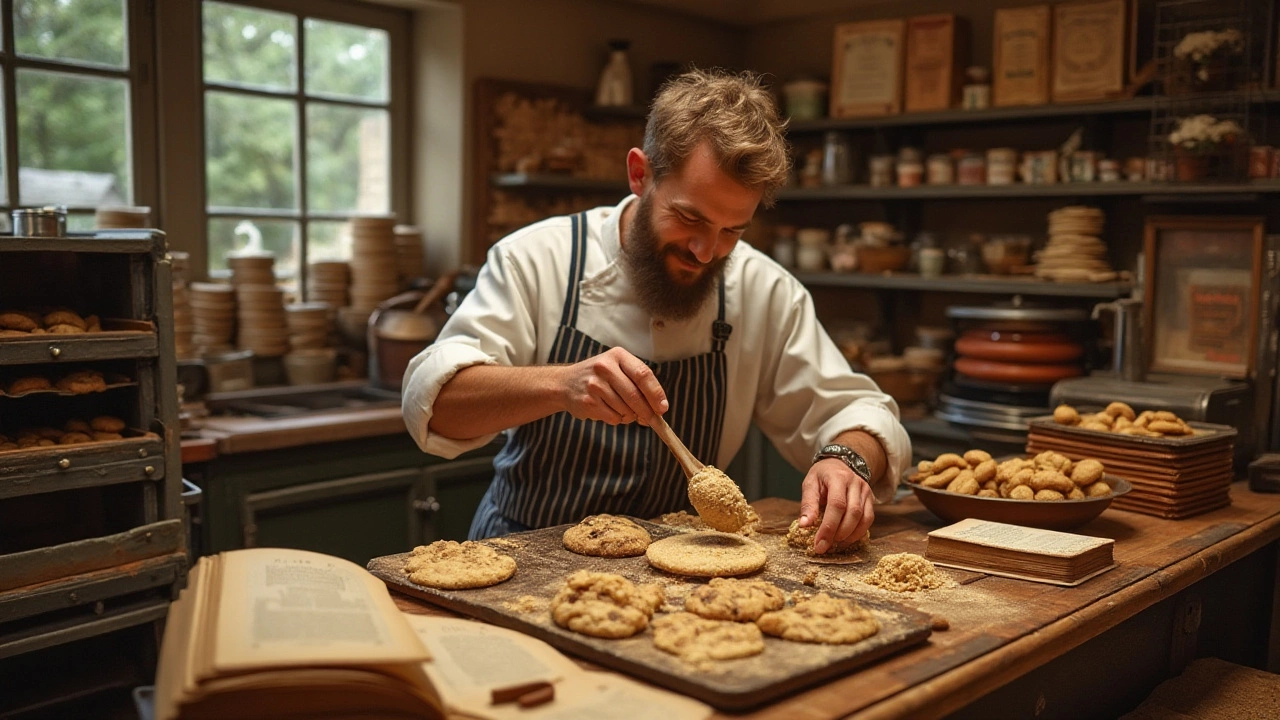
(686, 459)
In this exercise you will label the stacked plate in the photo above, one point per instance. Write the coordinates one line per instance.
(375, 275)
(183, 318)
(327, 282)
(213, 317)
(1075, 251)
(310, 325)
(252, 269)
(261, 320)
(122, 216)
(1172, 477)
(410, 253)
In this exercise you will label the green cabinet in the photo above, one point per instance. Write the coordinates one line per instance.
(356, 499)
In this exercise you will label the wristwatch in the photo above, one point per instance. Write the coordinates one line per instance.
(850, 457)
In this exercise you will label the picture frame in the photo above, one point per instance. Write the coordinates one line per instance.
(866, 73)
(1202, 292)
(1021, 56)
(937, 53)
(1089, 50)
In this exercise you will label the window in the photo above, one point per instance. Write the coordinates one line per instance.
(301, 116)
(74, 102)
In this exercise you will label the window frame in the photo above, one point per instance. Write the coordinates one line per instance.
(140, 76)
(183, 101)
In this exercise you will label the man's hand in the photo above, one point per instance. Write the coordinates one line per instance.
(843, 498)
(615, 387)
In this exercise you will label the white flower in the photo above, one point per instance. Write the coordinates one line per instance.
(1203, 132)
(1199, 46)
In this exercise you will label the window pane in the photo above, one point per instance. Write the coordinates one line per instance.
(249, 151)
(328, 240)
(73, 140)
(348, 159)
(255, 48)
(88, 31)
(231, 235)
(346, 60)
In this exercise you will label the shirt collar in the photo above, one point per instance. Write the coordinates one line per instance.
(610, 236)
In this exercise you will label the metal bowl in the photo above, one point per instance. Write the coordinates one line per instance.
(1047, 514)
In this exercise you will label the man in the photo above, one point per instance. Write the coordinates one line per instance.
(581, 329)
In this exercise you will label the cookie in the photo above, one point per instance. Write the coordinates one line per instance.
(707, 554)
(607, 536)
(605, 605)
(64, 317)
(106, 423)
(1087, 472)
(718, 500)
(82, 381)
(697, 639)
(64, 329)
(1065, 415)
(103, 436)
(29, 384)
(821, 619)
(456, 566)
(77, 425)
(10, 320)
(74, 438)
(733, 599)
(802, 539)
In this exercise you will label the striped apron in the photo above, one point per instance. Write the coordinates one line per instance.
(559, 469)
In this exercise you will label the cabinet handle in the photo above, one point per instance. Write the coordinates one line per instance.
(430, 505)
(64, 463)
(54, 351)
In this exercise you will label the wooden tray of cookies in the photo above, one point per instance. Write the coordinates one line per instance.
(543, 563)
(1204, 433)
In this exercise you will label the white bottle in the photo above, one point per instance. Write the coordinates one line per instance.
(615, 80)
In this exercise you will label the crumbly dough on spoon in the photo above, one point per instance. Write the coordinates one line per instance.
(718, 500)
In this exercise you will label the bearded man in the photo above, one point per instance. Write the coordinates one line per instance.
(582, 329)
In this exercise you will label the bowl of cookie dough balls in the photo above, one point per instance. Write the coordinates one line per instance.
(1047, 491)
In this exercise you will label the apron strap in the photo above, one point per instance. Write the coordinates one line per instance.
(720, 330)
(577, 261)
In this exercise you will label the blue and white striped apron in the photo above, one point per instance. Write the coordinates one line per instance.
(559, 469)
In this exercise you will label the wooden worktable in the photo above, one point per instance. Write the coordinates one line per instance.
(1000, 628)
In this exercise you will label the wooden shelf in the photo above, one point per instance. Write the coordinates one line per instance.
(38, 470)
(980, 284)
(1132, 106)
(546, 181)
(1023, 190)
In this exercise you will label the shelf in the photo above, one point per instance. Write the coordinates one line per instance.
(1023, 190)
(1132, 106)
(123, 241)
(91, 587)
(982, 284)
(66, 631)
(39, 470)
(136, 339)
(548, 181)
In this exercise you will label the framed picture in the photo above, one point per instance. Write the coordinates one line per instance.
(866, 73)
(1201, 295)
(1021, 56)
(937, 53)
(1089, 55)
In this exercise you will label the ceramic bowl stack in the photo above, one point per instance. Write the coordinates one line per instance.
(375, 272)
(327, 282)
(261, 320)
(410, 253)
(122, 216)
(310, 325)
(252, 269)
(183, 318)
(1075, 251)
(213, 317)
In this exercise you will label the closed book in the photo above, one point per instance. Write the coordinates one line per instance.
(1020, 552)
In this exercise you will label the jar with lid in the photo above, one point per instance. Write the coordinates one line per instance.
(835, 159)
(971, 169)
(940, 170)
(976, 93)
(1001, 166)
(784, 245)
(880, 170)
(806, 99)
(811, 173)
(910, 168)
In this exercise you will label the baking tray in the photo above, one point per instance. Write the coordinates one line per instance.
(1205, 433)
(111, 328)
(63, 393)
(782, 668)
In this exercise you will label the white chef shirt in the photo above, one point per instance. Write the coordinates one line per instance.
(784, 372)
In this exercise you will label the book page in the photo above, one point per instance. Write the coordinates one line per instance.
(1019, 538)
(607, 696)
(281, 607)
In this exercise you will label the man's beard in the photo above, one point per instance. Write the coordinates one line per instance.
(659, 293)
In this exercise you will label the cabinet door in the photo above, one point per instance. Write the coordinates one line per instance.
(356, 517)
(455, 491)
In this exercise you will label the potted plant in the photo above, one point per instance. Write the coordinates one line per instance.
(1201, 60)
(1201, 143)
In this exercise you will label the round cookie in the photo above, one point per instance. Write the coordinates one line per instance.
(802, 539)
(707, 554)
(605, 605)
(733, 599)
(718, 500)
(452, 565)
(607, 536)
(106, 423)
(821, 619)
(697, 639)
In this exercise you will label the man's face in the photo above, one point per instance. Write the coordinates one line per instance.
(681, 234)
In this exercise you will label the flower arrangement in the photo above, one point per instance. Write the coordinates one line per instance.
(1204, 133)
(1201, 48)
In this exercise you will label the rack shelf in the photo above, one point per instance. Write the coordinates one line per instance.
(547, 181)
(1023, 190)
(981, 284)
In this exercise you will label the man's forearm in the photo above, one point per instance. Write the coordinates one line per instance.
(486, 399)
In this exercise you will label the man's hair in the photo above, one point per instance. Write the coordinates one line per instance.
(731, 111)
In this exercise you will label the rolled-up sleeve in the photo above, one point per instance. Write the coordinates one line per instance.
(494, 325)
(810, 396)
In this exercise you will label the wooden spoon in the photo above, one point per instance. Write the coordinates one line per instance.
(686, 459)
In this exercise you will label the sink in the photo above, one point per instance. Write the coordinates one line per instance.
(294, 400)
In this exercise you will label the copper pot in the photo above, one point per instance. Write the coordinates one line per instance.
(396, 335)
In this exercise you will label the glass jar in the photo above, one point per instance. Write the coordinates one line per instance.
(880, 170)
(784, 245)
(971, 169)
(835, 159)
(1001, 166)
(940, 169)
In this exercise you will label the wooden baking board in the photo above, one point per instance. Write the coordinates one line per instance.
(783, 667)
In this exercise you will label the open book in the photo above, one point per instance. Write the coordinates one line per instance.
(276, 633)
(1020, 552)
